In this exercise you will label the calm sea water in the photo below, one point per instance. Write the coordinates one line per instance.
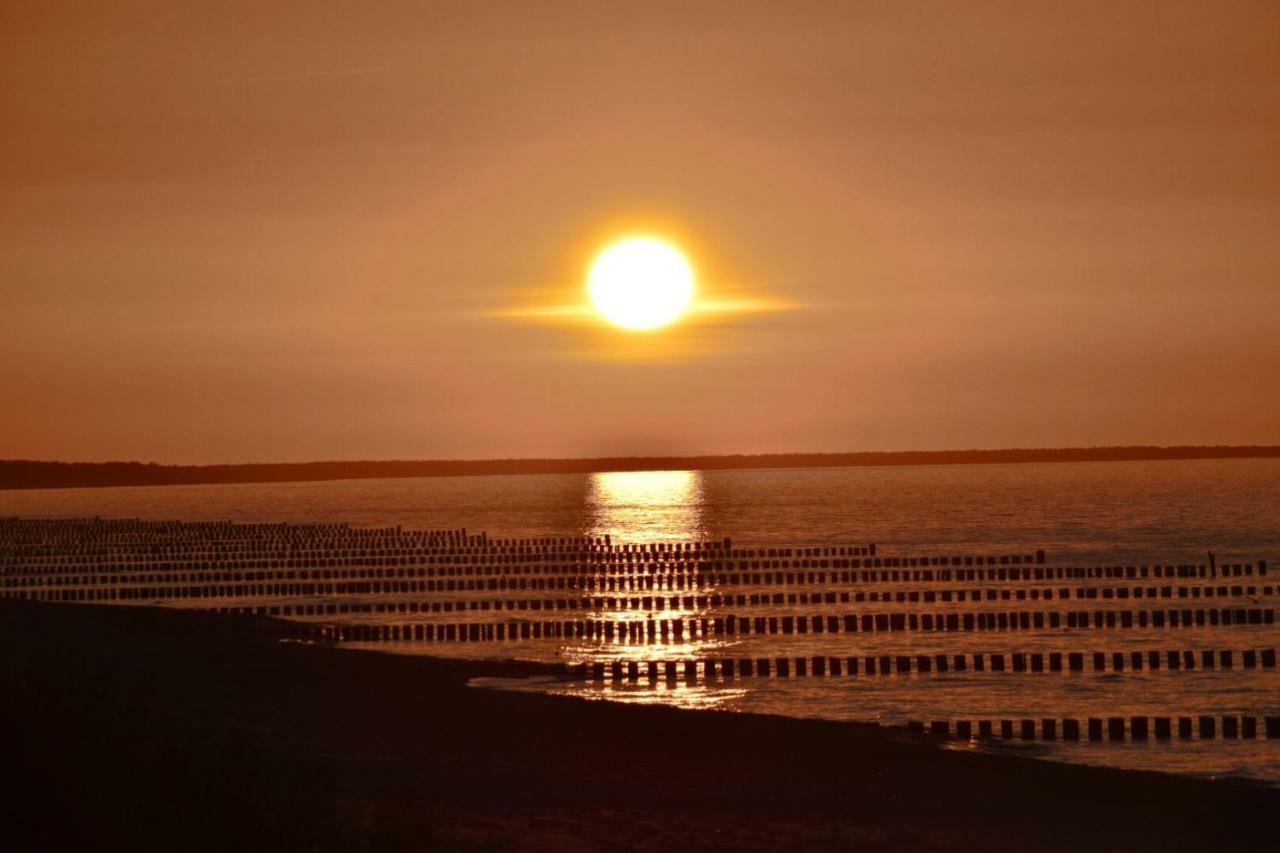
(1082, 514)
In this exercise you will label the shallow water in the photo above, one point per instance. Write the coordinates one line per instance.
(1082, 514)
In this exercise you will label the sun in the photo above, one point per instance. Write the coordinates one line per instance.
(640, 283)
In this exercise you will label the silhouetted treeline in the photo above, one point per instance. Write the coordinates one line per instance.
(26, 474)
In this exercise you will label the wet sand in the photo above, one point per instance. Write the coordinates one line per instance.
(149, 728)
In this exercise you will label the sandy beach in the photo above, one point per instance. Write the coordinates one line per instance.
(148, 728)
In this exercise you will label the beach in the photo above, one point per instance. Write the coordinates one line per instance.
(151, 728)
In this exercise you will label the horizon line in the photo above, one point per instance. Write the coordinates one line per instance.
(38, 474)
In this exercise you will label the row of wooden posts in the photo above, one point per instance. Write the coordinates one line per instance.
(700, 572)
(673, 630)
(104, 537)
(600, 603)
(1110, 729)
(729, 669)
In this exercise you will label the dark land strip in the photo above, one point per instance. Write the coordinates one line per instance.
(146, 728)
(33, 474)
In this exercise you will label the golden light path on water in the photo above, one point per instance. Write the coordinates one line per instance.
(649, 508)
(646, 506)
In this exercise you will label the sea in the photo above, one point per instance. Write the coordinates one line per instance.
(1083, 514)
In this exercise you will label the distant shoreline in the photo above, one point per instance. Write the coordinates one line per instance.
(30, 474)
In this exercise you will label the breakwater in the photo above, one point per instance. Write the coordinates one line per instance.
(719, 622)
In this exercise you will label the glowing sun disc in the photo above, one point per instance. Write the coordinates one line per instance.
(640, 283)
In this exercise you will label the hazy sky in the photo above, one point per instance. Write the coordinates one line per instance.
(261, 231)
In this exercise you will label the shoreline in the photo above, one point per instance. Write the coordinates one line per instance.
(26, 475)
(165, 727)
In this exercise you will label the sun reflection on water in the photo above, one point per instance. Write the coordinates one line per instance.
(646, 506)
(680, 694)
(639, 511)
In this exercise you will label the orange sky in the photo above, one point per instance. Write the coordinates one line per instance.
(300, 231)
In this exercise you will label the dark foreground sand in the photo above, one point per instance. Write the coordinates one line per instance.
(153, 729)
